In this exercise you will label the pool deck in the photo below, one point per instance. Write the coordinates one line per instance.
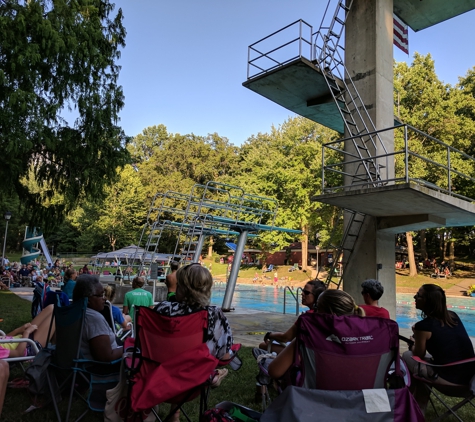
(249, 326)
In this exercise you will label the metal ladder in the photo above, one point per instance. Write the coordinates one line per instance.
(358, 124)
(347, 244)
(356, 118)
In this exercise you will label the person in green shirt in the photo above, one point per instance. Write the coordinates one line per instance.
(137, 297)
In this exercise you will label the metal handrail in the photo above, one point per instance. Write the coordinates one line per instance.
(295, 296)
(404, 175)
(300, 38)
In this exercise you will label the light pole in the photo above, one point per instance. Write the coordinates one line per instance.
(7, 215)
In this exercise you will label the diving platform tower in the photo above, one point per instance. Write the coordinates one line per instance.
(341, 76)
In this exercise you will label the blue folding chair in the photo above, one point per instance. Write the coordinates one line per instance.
(67, 363)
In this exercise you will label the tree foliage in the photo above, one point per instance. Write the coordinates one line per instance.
(58, 63)
(286, 164)
(116, 221)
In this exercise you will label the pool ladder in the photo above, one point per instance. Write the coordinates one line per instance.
(295, 296)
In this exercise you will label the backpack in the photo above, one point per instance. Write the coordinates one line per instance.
(56, 298)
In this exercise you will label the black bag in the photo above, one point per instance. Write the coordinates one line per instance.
(37, 375)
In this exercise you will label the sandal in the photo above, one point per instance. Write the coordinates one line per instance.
(219, 374)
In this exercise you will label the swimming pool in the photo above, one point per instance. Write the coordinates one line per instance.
(271, 299)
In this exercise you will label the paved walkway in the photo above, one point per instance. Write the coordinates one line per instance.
(248, 325)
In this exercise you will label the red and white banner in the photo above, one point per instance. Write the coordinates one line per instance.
(400, 35)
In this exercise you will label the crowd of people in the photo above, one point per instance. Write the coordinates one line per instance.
(439, 337)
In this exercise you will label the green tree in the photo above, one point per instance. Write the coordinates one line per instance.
(117, 221)
(285, 164)
(445, 112)
(58, 63)
(176, 162)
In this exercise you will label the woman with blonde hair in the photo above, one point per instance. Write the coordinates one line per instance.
(193, 293)
(338, 302)
(333, 302)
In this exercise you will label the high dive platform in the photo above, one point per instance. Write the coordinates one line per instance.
(213, 209)
(341, 76)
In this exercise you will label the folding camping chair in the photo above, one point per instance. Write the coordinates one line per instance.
(341, 371)
(121, 334)
(19, 340)
(170, 363)
(66, 363)
(464, 392)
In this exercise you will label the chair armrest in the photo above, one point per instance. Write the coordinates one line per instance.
(96, 362)
(234, 361)
(459, 362)
(20, 340)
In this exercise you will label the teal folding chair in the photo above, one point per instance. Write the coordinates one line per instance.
(67, 363)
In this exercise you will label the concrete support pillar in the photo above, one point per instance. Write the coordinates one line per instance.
(369, 60)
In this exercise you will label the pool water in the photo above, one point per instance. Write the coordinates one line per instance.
(271, 299)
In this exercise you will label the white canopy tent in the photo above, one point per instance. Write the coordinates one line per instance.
(132, 252)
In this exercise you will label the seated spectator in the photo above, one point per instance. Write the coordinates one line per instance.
(37, 331)
(137, 297)
(170, 281)
(98, 340)
(333, 302)
(310, 294)
(24, 274)
(441, 334)
(372, 290)
(70, 276)
(119, 317)
(4, 374)
(193, 293)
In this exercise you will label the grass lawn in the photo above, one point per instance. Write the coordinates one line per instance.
(238, 386)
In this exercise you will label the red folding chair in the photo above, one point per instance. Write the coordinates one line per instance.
(171, 362)
(464, 392)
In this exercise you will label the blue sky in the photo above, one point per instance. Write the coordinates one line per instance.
(185, 61)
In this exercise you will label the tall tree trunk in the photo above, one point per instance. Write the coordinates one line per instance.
(210, 248)
(423, 244)
(304, 247)
(410, 255)
(452, 254)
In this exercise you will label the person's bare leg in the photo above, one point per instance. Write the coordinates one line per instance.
(42, 321)
(176, 415)
(45, 314)
(41, 334)
(4, 374)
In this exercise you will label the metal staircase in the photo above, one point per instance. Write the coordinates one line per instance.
(364, 146)
(359, 126)
(343, 251)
